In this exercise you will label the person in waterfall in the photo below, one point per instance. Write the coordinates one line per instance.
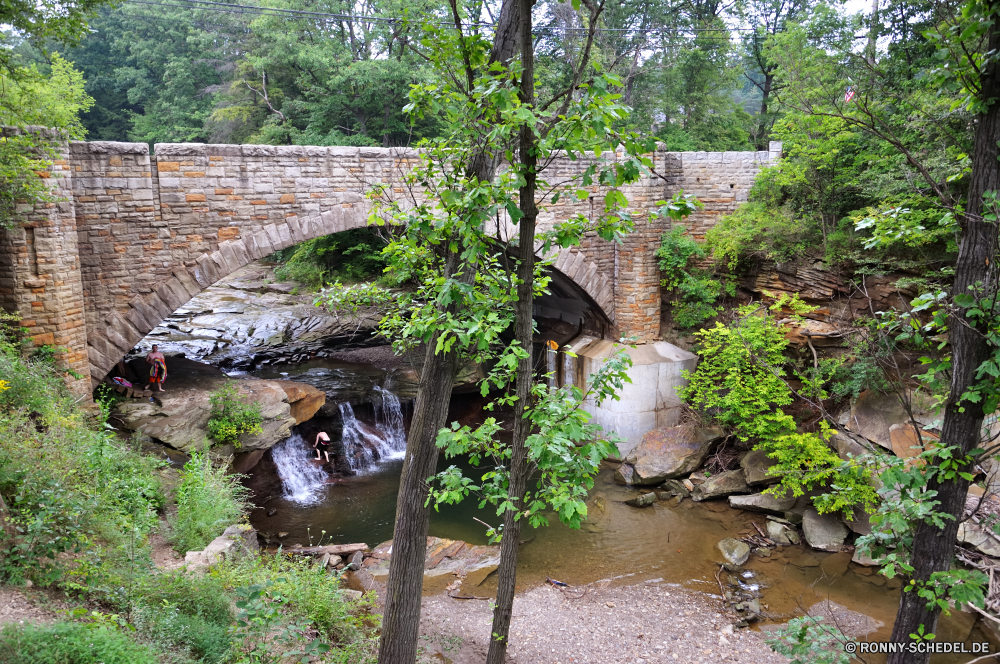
(322, 445)
(158, 368)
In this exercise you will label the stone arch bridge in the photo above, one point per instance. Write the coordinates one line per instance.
(134, 236)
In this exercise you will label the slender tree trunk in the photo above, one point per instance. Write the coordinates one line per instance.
(764, 101)
(524, 310)
(933, 548)
(401, 617)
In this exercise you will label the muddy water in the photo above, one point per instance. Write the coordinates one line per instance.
(664, 543)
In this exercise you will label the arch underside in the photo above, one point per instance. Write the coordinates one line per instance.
(125, 329)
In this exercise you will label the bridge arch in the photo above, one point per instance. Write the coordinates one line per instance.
(123, 330)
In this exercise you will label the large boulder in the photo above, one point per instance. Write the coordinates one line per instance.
(873, 413)
(979, 538)
(757, 466)
(763, 502)
(444, 559)
(235, 543)
(823, 531)
(907, 442)
(304, 400)
(734, 551)
(178, 416)
(721, 485)
(663, 454)
(847, 445)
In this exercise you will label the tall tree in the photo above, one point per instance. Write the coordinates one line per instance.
(401, 619)
(974, 347)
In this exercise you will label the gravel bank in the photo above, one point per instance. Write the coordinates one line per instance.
(636, 624)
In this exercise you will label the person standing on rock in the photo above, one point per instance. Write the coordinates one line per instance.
(322, 444)
(158, 370)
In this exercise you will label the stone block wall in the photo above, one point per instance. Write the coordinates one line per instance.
(136, 235)
(40, 275)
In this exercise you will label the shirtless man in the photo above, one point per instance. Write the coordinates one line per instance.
(158, 370)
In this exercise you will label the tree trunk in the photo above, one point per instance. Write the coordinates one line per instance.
(523, 330)
(764, 100)
(933, 548)
(401, 617)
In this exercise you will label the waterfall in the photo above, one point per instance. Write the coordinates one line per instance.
(389, 421)
(301, 479)
(363, 445)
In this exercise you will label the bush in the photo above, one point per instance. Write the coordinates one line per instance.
(756, 230)
(231, 417)
(312, 595)
(351, 256)
(70, 643)
(66, 484)
(695, 291)
(208, 501)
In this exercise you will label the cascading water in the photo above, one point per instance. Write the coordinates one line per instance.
(389, 421)
(301, 479)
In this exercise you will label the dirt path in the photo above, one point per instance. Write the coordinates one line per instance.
(644, 624)
(23, 606)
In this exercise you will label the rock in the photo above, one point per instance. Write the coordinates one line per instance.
(723, 484)
(861, 559)
(835, 564)
(777, 533)
(236, 542)
(664, 454)
(873, 413)
(762, 502)
(351, 595)
(355, 561)
(846, 445)
(756, 465)
(643, 500)
(677, 487)
(304, 400)
(734, 551)
(444, 559)
(763, 552)
(906, 442)
(180, 416)
(860, 522)
(979, 537)
(793, 537)
(823, 531)
(625, 474)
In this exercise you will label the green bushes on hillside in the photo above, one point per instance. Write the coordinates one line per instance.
(208, 500)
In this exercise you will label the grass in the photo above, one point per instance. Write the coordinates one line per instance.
(70, 643)
(208, 500)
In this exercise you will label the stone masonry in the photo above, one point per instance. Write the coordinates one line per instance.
(136, 236)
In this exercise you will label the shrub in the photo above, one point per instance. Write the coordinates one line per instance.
(354, 255)
(231, 417)
(756, 230)
(208, 500)
(65, 643)
(311, 595)
(739, 379)
(695, 291)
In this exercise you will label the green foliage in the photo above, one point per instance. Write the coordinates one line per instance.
(758, 232)
(208, 500)
(565, 448)
(65, 642)
(739, 379)
(353, 255)
(66, 485)
(695, 291)
(231, 417)
(804, 461)
(809, 640)
(740, 383)
(309, 595)
(28, 97)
